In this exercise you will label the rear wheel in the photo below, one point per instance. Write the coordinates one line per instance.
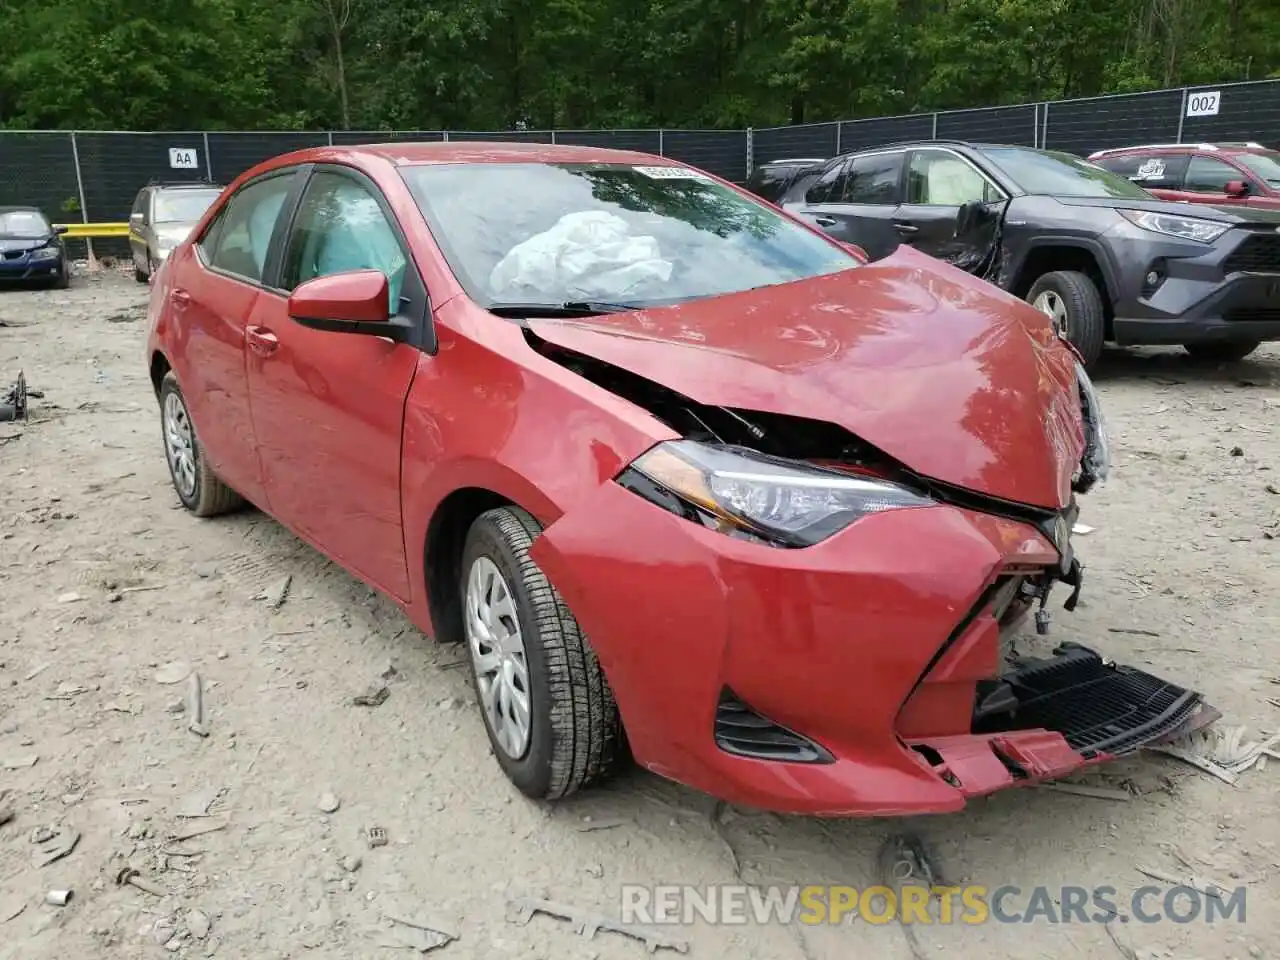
(1227, 351)
(1073, 304)
(547, 707)
(197, 487)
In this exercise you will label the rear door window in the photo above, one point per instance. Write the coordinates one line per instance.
(1150, 170)
(239, 240)
(1209, 175)
(830, 185)
(874, 179)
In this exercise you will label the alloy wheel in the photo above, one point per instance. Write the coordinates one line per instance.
(179, 445)
(498, 656)
(1051, 304)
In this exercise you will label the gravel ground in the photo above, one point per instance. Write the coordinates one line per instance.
(105, 582)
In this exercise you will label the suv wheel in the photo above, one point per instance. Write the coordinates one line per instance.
(1073, 304)
(547, 707)
(1227, 351)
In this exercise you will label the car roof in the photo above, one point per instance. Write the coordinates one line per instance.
(20, 208)
(185, 185)
(412, 154)
(1226, 149)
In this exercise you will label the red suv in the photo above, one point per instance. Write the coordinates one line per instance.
(1217, 173)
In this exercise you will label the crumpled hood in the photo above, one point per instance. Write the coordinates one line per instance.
(947, 374)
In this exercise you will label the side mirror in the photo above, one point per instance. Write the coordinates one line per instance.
(357, 301)
(1237, 188)
(60, 229)
(859, 254)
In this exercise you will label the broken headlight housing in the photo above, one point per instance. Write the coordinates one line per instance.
(742, 492)
(1095, 464)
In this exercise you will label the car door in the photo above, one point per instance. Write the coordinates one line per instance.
(1206, 181)
(137, 224)
(938, 183)
(856, 201)
(213, 286)
(328, 408)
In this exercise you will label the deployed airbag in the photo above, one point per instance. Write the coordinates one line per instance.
(591, 255)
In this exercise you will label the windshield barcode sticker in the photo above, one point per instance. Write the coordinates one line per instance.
(672, 173)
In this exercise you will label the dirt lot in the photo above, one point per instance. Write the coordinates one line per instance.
(105, 581)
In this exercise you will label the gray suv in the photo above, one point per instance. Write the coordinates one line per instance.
(1104, 259)
(163, 214)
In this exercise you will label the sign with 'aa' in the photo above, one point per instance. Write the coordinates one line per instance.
(184, 158)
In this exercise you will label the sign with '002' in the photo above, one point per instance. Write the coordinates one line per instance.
(1203, 103)
(184, 158)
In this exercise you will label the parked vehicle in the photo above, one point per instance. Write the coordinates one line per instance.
(31, 248)
(773, 179)
(163, 214)
(1099, 255)
(684, 474)
(1223, 174)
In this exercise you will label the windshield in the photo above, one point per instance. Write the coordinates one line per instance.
(1060, 174)
(23, 223)
(1266, 166)
(632, 235)
(182, 206)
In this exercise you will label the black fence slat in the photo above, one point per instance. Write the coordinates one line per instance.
(864, 134)
(816, 141)
(234, 153)
(39, 167)
(351, 138)
(1245, 112)
(1082, 126)
(39, 170)
(641, 141)
(1015, 125)
(115, 166)
(722, 152)
(499, 136)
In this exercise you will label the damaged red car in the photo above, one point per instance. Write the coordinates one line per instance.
(691, 481)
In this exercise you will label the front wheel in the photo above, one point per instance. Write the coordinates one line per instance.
(197, 486)
(1227, 351)
(1074, 306)
(547, 707)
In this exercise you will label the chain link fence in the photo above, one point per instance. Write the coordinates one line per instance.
(93, 177)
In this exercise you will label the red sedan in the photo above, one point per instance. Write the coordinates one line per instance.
(691, 481)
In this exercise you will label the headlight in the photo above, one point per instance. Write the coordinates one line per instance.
(1095, 465)
(45, 253)
(1185, 228)
(785, 502)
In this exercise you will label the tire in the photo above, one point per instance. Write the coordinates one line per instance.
(575, 735)
(1086, 317)
(1224, 351)
(140, 275)
(64, 276)
(200, 491)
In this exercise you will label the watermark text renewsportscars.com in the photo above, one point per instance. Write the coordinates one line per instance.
(828, 904)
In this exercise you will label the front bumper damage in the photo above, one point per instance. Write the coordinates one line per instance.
(871, 674)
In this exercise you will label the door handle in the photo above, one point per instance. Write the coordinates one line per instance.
(261, 341)
(906, 228)
(180, 299)
(825, 221)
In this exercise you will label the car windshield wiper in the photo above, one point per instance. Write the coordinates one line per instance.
(568, 308)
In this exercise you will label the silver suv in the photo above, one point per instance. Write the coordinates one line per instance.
(163, 214)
